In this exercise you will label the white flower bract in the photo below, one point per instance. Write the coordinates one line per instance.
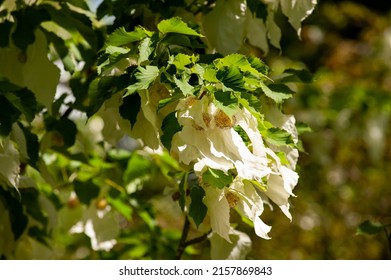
(208, 140)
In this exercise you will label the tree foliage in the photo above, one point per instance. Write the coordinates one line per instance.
(119, 118)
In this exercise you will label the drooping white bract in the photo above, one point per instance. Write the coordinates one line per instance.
(208, 140)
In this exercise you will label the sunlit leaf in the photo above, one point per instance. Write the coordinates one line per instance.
(145, 76)
(278, 136)
(225, 25)
(36, 72)
(176, 25)
(277, 92)
(297, 11)
(9, 163)
(231, 77)
(216, 178)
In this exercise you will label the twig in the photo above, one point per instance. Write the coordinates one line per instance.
(182, 242)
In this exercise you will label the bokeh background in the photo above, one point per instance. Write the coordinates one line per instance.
(344, 173)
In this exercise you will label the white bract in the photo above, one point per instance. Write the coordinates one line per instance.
(209, 140)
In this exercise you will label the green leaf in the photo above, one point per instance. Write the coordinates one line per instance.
(231, 77)
(123, 208)
(8, 115)
(79, 3)
(130, 108)
(100, 89)
(302, 128)
(27, 143)
(176, 25)
(297, 11)
(216, 178)
(78, 24)
(225, 26)
(64, 127)
(121, 37)
(9, 163)
(182, 191)
(86, 191)
(184, 86)
(32, 147)
(277, 92)
(297, 75)
(197, 209)
(278, 136)
(24, 101)
(258, 64)
(27, 20)
(145, 76)
(5, 30)
(17, 214)
(145, 50)
(138, 166)
(34, 70)
(170, 126)
(181, 60)
(370, 228)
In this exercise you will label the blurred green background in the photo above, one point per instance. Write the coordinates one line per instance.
(344, 174)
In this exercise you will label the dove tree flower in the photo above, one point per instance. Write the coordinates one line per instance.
(210, 142)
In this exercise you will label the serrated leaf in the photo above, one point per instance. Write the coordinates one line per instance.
(216, 178)
(27, 20)
(258, 64)
(370, 228)
(145, 76)
(227, 102)
(24, 101)
(176, 25)
(278, 136)
(145, 50)
(277, 92)
(184, 86)
(231, 77)
(197, 208)
(130, 108)
(297, 11)
(9, 163)
(181, 60)
(170, 126)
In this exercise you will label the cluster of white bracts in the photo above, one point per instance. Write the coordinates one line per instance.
(208, 140)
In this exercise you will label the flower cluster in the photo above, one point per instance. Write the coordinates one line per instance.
(213, 140)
